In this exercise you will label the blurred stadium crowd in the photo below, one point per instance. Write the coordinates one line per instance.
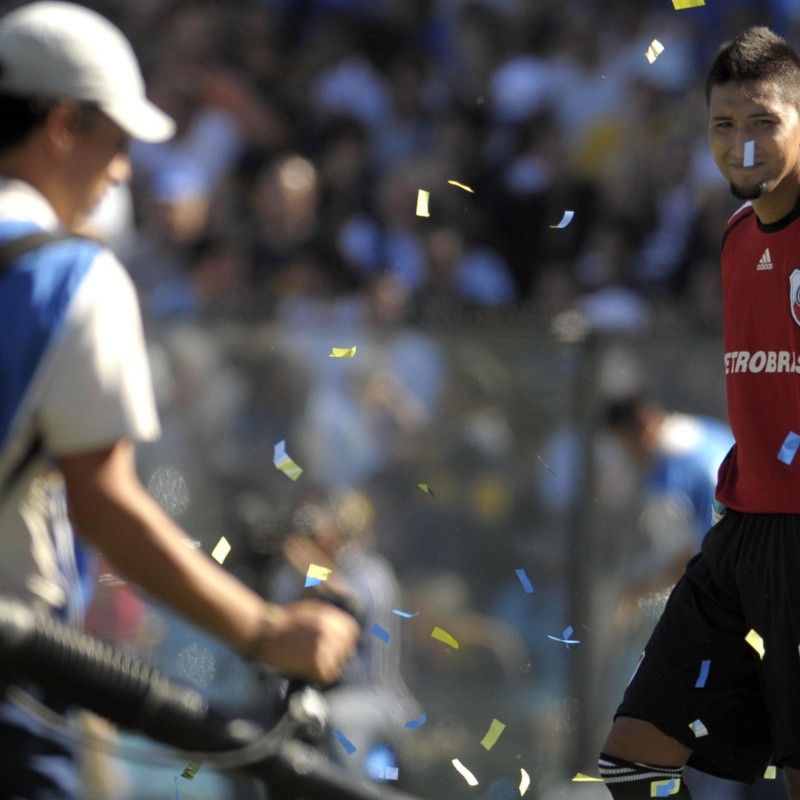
(308, 126)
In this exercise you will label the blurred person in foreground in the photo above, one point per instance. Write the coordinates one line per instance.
(677, 456)
(371, 703)
(718, 684)
(75, 389)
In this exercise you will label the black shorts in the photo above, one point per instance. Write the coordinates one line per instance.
(747, 709)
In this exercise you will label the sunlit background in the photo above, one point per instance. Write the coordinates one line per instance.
(567, 257)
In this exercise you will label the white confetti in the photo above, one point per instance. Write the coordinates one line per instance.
(565, 220)
(467, 775)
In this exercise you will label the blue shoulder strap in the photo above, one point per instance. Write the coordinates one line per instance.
(10, 251)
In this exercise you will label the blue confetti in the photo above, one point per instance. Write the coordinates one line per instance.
(665, 790)
(381, 633)
(404, 614)
(417, 723)
(789, 448)
(703, 677)
(525, 581)
(349, 747)
(568, 631)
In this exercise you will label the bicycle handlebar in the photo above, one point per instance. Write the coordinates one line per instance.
(79, 670)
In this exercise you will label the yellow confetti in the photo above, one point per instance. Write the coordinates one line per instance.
(342, 352)
(284, 463)
(771, 772)
(681, 4)
(524, 783)
(191, 769)
(665, 788)
(654, 51)
(444, 636)
(493, 734)
(317, 574)
(468, 776)
(221, 550)
(422, 203)
(425, 488)
(462, 186)
(581, 778)
(756, 642)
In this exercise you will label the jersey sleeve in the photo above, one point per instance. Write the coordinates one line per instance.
(98, 388)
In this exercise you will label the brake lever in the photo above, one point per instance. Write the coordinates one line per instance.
(303, 701)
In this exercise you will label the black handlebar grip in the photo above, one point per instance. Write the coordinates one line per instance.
(77, 669)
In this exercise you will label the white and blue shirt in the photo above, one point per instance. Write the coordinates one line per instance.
(74, 372)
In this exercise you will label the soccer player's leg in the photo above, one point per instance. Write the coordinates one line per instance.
(639, 761)
(791, 776)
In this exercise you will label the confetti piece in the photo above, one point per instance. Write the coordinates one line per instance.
(444, 636)
(417, 723)
(565, 220)
(493, 734)
(565, 637)
(381, 633)
(462, 186)
(654, 51)
(698, 728)
(191, 769)
(468, 776)
(756, 642)
(546, 466)
(342, 352)
(349, 747)
(525, 581)
(316, 575)
(749, 154)
(422, 203)
(703, 676)
(581, 778)
(665, 788)
(681, 4)
(427, 489)
(789, 448)
(771, 772)
(524, 782)
(285, 464)
(389, 773)
(405, 614)
(221, 550)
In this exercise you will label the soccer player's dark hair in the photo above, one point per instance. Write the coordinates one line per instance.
(757, 54)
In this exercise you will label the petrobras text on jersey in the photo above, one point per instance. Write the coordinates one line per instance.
(762, 361)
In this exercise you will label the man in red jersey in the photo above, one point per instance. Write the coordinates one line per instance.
(718, 684)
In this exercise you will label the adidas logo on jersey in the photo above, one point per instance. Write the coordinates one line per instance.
(765, 262)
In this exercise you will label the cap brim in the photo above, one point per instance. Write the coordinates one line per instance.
(142, 120)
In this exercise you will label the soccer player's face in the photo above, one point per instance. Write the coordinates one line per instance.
(754, 111)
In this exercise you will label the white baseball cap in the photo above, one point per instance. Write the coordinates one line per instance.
(62, 50)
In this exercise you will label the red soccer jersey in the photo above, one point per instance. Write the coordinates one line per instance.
(761, 305)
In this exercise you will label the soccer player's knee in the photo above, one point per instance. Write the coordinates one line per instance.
(628, 780)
